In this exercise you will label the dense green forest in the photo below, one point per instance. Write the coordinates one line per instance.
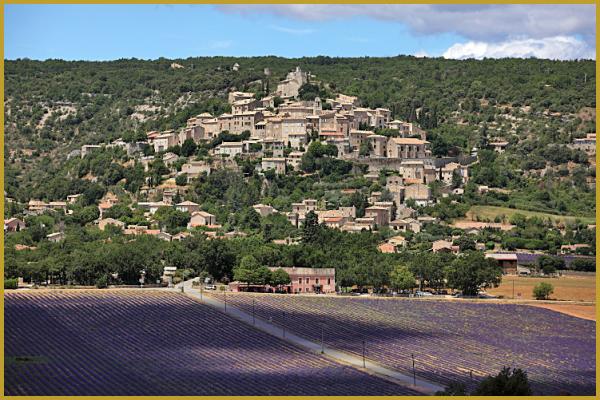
(105, 95)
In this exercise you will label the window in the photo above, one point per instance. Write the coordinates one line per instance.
(307, 280)
(317, 281)
(300, 280)
(329, 281)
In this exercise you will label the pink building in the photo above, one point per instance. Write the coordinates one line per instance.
(303, 280)
(310, 280)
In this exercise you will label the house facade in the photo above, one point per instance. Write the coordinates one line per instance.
(13, 225)
(303, 281)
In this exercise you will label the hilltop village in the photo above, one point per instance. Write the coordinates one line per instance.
(276, 131)
(367, 172)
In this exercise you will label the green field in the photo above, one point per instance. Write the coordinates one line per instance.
(490, 212)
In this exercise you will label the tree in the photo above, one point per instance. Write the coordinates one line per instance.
(249, 219)
(506, 383)
(188, 148)
(85, 215)
(549, 264)
(310, 232)
(181, 180)
(309, 91)
(277, 226)
(457, 180)
(156, 171)
(428, 268)
(465, 243)
(583, 264)
(171, 218)
(542, 290)
(217, 258)
(401, 278)
(472, 271)
(360, 201)
(280, 278)
(251, 272)
(118, 211)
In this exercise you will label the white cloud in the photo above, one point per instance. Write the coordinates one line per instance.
(293, 31)
(557, 47)
(421, 53)
(491, 22)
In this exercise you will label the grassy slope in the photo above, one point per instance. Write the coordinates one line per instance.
(491, 212)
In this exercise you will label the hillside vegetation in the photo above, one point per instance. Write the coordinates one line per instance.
(55, 106)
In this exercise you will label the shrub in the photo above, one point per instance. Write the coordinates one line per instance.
(181, 180)
(102, 282)
(542, 290)
(11, 283)
(583, 264)
(506, 383)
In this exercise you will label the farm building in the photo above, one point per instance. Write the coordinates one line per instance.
(303, 280)
(508, 262)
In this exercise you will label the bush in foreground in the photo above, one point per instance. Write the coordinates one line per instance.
(542, 290)
(506, 383)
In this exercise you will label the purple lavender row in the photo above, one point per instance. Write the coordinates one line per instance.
(451, 341)
(152, 343)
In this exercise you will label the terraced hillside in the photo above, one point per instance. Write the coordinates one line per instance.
(157, 343)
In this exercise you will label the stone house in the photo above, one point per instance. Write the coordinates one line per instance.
(202, 218)
(418, 192)
(407, 148)
(274, 163)
(264, 210)
(13, 225)
(230, 149)
(406, 224)
(188, 206)
(56, 237)
(110, 221)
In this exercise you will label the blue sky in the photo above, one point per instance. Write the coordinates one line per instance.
(106, 32)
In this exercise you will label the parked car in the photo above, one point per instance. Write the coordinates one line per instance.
(210, 287)
(420, 293)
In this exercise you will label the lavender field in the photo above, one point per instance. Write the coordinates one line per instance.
(157, 343)
(451, 341)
